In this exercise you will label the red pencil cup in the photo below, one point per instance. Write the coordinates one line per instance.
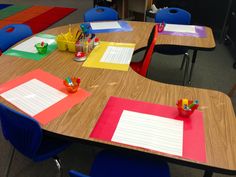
(183, 112)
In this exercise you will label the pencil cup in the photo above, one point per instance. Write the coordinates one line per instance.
(72, 84)
(41, 48)
(186, 112)
(72, 89)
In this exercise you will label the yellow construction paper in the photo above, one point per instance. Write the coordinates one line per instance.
(95, 56)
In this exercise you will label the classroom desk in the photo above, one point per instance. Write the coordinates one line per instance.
(78, 122)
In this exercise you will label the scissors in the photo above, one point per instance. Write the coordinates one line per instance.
(161, 26)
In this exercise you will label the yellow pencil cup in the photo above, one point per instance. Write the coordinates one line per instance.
(71, 46)
(61, 44)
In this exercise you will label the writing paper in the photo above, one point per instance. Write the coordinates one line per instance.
(150, 131)
(33, 96)
(180, 28)
(105, 25)
(117, 55)
(103, 56)
(28, 45)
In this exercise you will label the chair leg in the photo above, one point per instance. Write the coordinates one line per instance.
(12, 153)
(186, 67)
(59, 166)
(183, 62)
(232, 91)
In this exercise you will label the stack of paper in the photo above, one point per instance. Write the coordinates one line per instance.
(33, 96)
(150, 131)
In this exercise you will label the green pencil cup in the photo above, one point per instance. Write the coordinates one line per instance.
(42, 49)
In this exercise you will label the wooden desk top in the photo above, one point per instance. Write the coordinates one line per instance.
(219, 116)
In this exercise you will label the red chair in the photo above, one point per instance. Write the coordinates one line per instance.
(141, 67)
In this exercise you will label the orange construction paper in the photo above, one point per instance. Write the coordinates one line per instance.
(58, 108)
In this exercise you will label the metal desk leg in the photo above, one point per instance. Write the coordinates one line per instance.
(186, 57)
(192, 65)
(208, 174)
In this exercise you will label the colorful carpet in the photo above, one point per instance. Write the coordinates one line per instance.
(37, 17)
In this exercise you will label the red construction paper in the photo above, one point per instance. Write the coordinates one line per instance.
(46, 19)
(58, 108)
(193, 138)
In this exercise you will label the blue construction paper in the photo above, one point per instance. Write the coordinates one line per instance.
(124, 27)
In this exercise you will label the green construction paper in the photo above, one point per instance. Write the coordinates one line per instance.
(33, 56)
(11, 10)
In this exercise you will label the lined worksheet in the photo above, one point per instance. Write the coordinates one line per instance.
(33, 96)
(150, 131)
(117, 55)
(105, 25)
(28, 45)
(180, 28)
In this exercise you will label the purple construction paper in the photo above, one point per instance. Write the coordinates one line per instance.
(200, 32)
(124, 27)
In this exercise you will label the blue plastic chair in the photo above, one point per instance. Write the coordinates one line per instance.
(174, 16)
(100, 13)
(122, 164)
(25, 135)
(11, 34)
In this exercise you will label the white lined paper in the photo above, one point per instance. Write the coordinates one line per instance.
(28, 45)
(150, 131)
(117, 55)
(33, 96)
(180, 28)
(105, 25)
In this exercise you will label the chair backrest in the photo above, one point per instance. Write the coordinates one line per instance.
(100, 13)
(23, 132)
(117, 164)
(11, 34)
(173, 16)
(149, 51)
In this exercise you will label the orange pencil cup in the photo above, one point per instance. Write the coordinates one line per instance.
(72, 84)
(72, 89)
(186, 112)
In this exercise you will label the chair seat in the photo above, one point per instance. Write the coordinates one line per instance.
(170, 50)
(50, 146)
(136, 66)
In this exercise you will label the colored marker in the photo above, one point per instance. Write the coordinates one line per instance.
(184, 103)
(193, 104)
(69, 81)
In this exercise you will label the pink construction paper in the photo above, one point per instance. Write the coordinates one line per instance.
(56, 109)
(193, 138)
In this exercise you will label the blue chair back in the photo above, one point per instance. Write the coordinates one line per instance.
(117, 164)
(110, 163)
(23, 132)
(173, 16)
(100, 13)
(11, 34)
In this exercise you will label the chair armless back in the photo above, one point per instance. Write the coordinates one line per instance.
(173, 16)
(100, 13)
(23, 132)
(11, 34)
